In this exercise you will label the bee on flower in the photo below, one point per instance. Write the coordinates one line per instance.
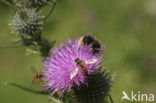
(70, 65)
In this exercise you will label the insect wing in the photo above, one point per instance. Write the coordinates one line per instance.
(33, 69)
(90, 61)
(36, 82)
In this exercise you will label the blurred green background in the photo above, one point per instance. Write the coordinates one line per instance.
(126, 27)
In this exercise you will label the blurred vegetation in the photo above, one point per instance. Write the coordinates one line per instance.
(127, 28)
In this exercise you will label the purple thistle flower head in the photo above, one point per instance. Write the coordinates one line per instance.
(62, 71)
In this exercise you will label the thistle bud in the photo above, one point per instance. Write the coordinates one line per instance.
(27, 21)
(97, 91)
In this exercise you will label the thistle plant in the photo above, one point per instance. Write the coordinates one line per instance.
(27, 23)
(72, 73)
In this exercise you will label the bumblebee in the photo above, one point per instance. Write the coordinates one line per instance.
(81, 65)
(93, 43)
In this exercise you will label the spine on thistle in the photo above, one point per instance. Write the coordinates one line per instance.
(33, 3)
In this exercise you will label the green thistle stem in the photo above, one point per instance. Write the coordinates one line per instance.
(28, 89)
(52, 9)
(9, 4)
(111, 99)
(53, 98)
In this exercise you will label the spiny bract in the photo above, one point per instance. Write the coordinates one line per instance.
(36, 3)
(97, 91)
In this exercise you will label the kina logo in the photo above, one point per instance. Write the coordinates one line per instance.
(140, 97)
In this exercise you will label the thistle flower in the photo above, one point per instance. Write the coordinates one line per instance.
(62, 71)
(27, 21)
(36, 3)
